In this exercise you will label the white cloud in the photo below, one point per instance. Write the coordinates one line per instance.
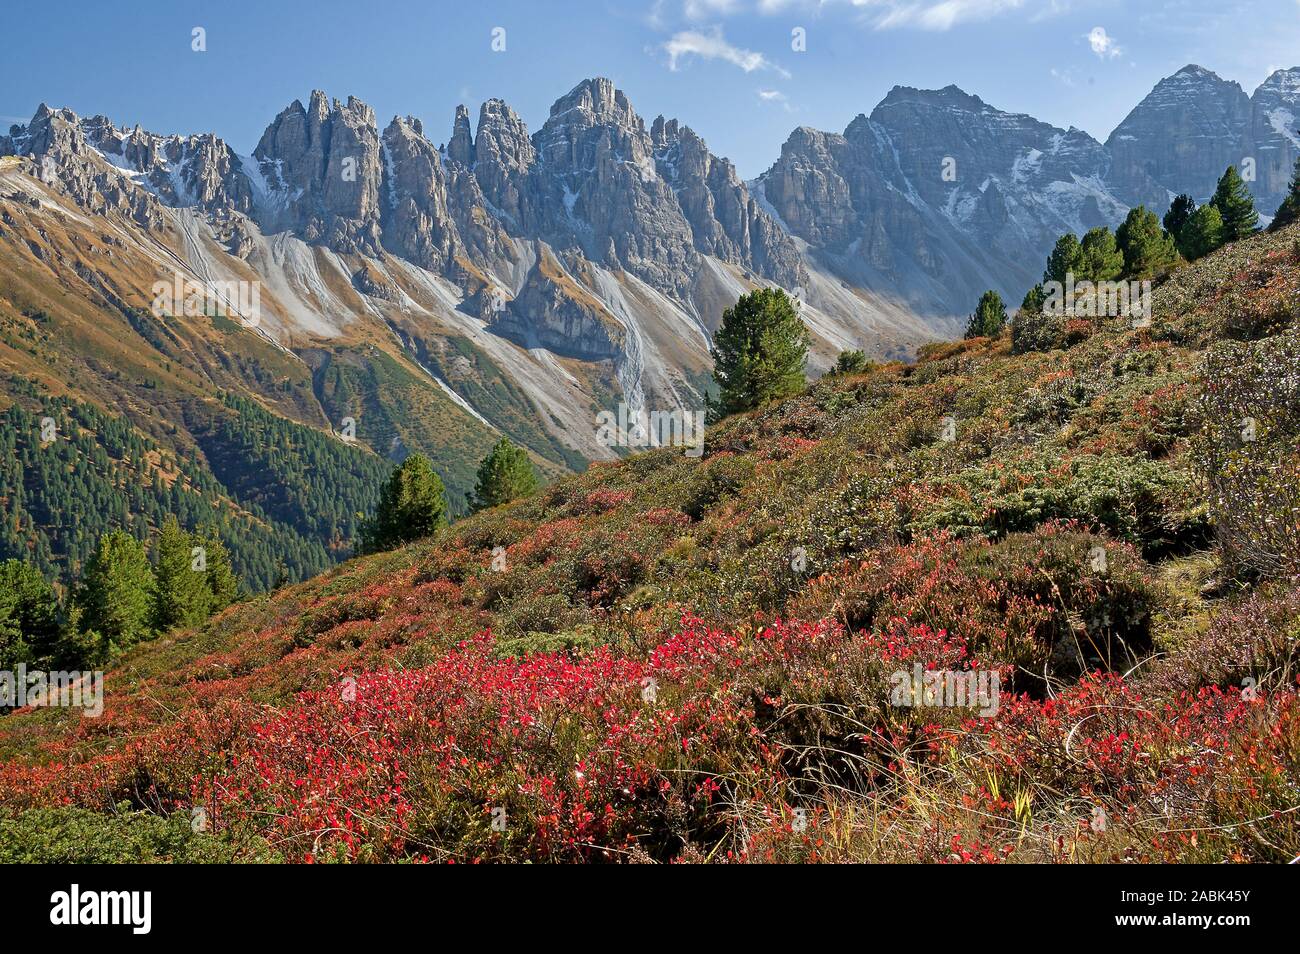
(707, 9)
(714, 46)
(936, 15)
(1102, 43)
(942, 15)
(883, 14)
(777, 97)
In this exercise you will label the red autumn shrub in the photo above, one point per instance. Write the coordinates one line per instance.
(1164, 774)
(572, 758)
(1033, 600)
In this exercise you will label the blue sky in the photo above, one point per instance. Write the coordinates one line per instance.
(727, 68)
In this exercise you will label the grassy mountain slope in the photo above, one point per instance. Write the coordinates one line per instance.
(694, 659)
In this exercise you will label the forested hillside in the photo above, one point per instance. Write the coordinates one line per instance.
(285, 498)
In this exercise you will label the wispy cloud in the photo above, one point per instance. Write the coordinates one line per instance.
(943, 15)
(881, 14)
(1103, 44)
(710, 9)
(712, 45)
(775, 96)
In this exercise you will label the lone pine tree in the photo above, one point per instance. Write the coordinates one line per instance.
(990, 316)
(1146, 248)
(1202, 233)
(181, 595)
(758, 352)
(506, 474)
(115, 596)
(412, 504)
(1235, 204)
(1180, 210)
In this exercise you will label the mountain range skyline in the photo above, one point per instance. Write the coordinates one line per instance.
(433, 123)
(907, 203)
(519, 281)
(1071, 64)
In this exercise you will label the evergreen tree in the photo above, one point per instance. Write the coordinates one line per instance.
(1203, 233)
(223, 584)
(1236, 205)
(29, 615)
(990, 317)
(1034, 301)
(1065, 258)
(1180, 211)
(114, 596)
(1147, 250)
(181, 594)
(758, 352)
(412, 504)
(851, 362)
(1099, 257)
(1289, 210)
(506, 474)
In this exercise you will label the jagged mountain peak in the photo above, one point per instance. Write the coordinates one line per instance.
(47, 116)
(502, 139)
(950, 96)
(499, 111)
(802, 137)
(320, 105)
(1285, 80)
(1193, 77)
(409, 122)
(460, 147)
(1150, 147)
(595, 101)
(937, 194)
(665, 132)
(860, 125)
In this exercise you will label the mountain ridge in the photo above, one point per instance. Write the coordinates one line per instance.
(499, 183)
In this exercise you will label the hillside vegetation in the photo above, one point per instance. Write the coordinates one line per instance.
(673, 658)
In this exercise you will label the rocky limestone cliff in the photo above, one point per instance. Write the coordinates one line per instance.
(1182, 136)
(937, 196)
(1275, 137)
(322, 164)
(63, 157)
